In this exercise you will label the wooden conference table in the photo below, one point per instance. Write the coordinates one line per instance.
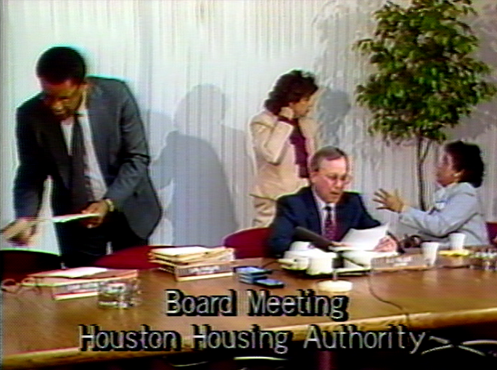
(38, 331)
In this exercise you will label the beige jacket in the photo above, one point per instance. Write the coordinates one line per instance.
(277, 173)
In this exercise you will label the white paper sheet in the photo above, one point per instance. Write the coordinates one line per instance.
(365, 239)
(180, 251)
(15, 228)
(72, 217)
(76, 272)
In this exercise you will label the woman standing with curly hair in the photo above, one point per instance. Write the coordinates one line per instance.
(283, 138)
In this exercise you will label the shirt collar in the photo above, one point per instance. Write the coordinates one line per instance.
(321, 203)
(82, 111)
(442, 190)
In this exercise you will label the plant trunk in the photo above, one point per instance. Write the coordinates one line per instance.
(422, 148)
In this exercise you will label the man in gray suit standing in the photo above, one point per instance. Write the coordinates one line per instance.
(87, 135)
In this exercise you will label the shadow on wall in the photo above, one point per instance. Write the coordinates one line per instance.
(485, 116)
(333, 106)
(188, 173)
(340, 68)
(339, 72)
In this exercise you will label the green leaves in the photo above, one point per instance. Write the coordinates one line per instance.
(427, 78)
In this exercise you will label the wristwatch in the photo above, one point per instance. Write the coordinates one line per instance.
(110, 204)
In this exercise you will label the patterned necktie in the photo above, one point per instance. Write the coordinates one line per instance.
(329, 224)
(79, 189)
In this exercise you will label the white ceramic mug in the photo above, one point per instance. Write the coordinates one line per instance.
(457, 241)
(301, 263)
(321, 264)
(300, 246)
(430, 250)
(292, 255)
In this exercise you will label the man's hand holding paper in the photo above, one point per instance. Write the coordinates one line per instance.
(375, 238)
(99, 210)
(386, 244)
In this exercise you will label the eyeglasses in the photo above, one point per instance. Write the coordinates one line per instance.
(343, 178)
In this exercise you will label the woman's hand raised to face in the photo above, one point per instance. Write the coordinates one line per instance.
(390, 201)
(287, 112)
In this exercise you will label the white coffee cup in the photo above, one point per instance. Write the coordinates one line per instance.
(301, 263)
(321, 263)
(457, 241)
(292, 255)
(430, 250)
(300, 246)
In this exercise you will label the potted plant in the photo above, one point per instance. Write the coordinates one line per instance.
(426, 76)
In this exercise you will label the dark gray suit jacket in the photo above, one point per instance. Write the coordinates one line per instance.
(121, 149)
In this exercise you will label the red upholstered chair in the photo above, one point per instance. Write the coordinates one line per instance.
(129, 258)
(249, 243)
(18, 263)
(492, 230)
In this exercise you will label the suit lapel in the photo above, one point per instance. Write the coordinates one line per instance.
(313, 220)
(343, 215)
(98, 119)
(51, 134)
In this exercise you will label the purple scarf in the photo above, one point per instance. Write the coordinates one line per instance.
(297, 139)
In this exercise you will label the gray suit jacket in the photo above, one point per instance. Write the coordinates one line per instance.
(121, 149)
(457, 209)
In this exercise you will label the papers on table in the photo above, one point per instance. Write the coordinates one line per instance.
(180, 251)
(194, 262)
(78, 282)
(77, 275)
(190, 254)
(366, 239)
(73, 273)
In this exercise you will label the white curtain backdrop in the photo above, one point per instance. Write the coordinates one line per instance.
(199, 70)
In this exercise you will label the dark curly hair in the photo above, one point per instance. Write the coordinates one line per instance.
(290, 88)
(61, 63)
(467, 160)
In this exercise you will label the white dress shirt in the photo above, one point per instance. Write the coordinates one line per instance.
(98, 188)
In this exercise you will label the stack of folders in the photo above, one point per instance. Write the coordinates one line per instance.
(77, 282)
(194, 262)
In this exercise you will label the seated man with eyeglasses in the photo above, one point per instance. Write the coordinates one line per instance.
(324, 207)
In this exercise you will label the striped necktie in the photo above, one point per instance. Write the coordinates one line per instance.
(329, 231)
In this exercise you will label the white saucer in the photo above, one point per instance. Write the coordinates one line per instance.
(291, 268)
(337, 286)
